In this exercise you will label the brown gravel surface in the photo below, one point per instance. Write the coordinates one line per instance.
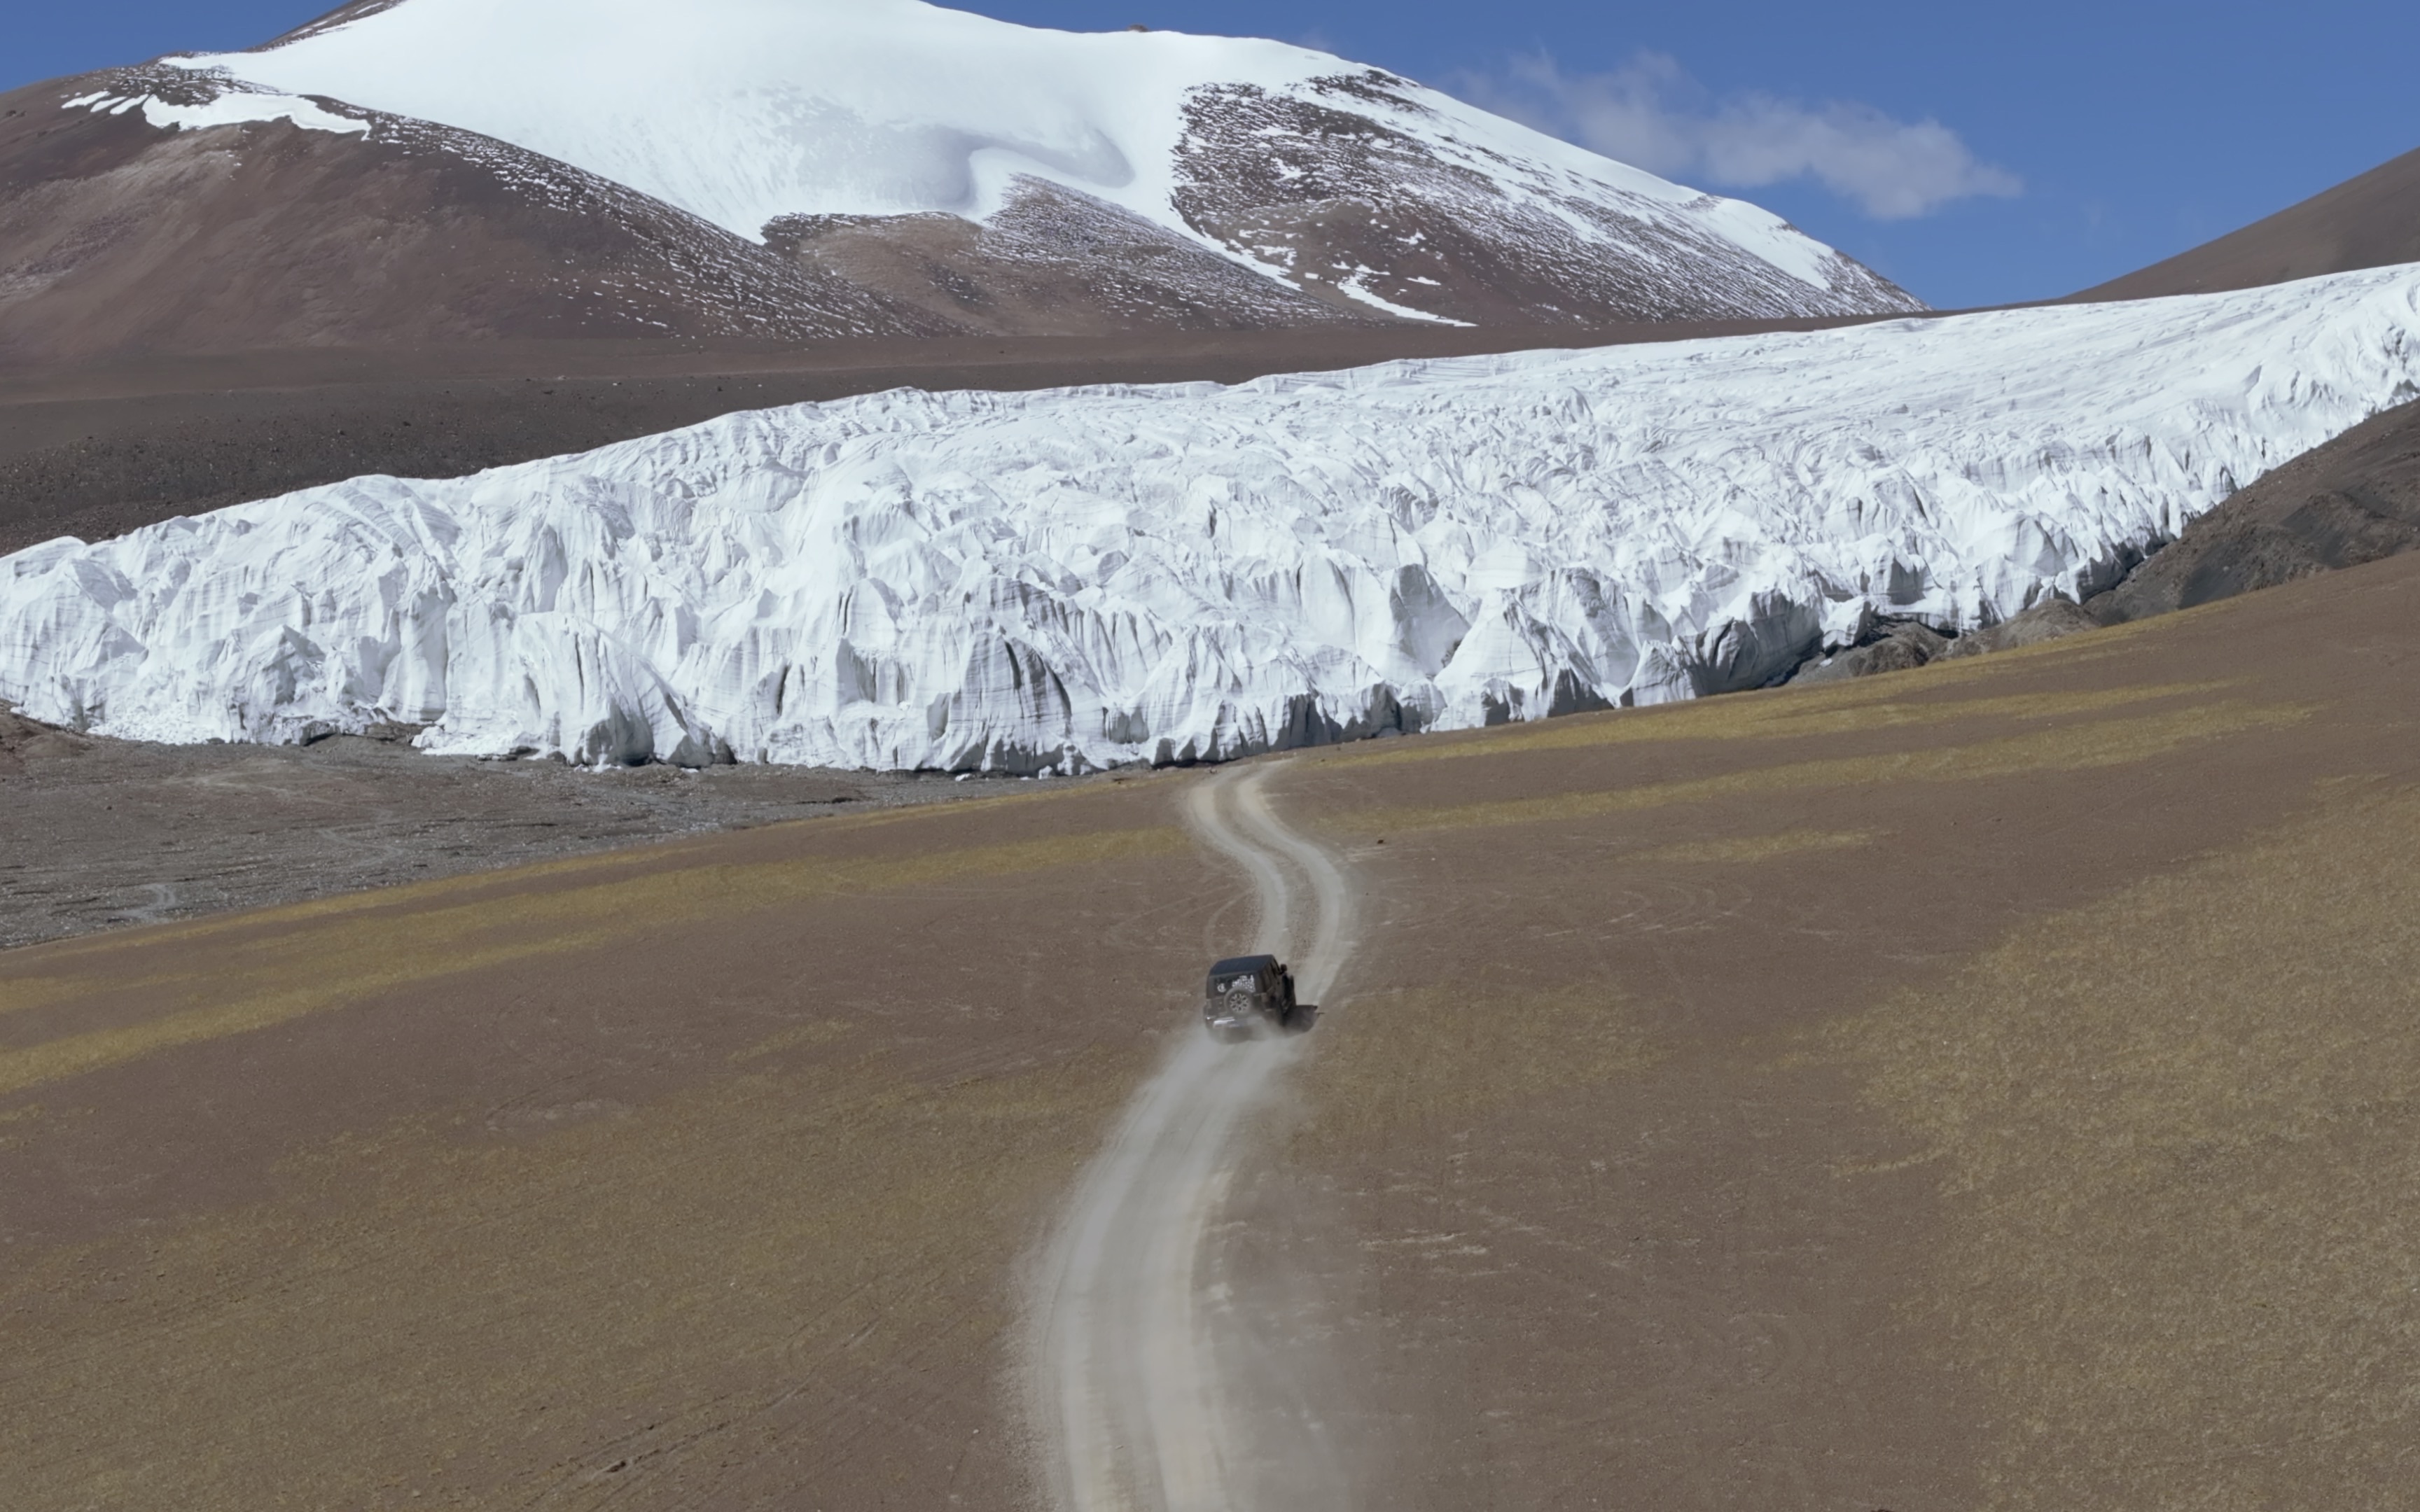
(1989, 1086)
(1984, 1086)
(98, 833)
(685, 1176)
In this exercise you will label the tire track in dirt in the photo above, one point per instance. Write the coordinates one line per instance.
(1129, 1394)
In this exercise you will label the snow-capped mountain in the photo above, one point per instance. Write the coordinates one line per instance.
(1005, 177)
(1081, 577)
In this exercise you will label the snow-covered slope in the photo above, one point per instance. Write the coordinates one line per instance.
(1348, 183)
(1082, 576)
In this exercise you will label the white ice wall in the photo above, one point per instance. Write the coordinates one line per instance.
(1092, 576)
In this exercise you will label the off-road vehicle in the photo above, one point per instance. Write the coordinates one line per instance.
(1251, 995)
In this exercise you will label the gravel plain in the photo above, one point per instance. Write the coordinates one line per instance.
(97, 834)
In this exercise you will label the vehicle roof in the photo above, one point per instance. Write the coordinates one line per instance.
(1234, 963)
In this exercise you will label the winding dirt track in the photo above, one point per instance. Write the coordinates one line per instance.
(1128, 1381)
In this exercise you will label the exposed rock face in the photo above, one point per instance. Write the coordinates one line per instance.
(1891, 646)
(2053, 617)
(1051, 262)
(21, 738)
(1361, 185)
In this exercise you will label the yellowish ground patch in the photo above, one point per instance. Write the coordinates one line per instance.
(2064, 747)
(2181, 1132)
(1748, 849)
(776, 1254)
(253, 984)
(1885, 702)
(1451, 1056)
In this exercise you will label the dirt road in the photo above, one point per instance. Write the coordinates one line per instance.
(1133, 1325)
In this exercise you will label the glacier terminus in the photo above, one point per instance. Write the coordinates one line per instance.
(1061, 580)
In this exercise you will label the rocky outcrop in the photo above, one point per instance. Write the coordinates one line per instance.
(1889, 646)
(21, 737)
(1363, 189)
(2053, 617)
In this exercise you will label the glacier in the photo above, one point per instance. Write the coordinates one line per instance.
(1073, 579)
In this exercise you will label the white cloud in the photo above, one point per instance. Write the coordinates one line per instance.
(1653, 116)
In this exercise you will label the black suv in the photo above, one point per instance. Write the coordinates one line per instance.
(1249, 993)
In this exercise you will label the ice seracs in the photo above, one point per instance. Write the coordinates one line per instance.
(1082, 576)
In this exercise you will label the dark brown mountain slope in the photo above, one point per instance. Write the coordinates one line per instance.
(2353, 501)
(122, 237)
(1053, 262)
(118, 236)
(2369, 222)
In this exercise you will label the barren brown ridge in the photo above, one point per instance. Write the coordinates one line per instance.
(2372, 221)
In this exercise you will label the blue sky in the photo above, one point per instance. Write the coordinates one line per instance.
(1976, 153)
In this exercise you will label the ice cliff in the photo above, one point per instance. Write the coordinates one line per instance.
(1085, 577)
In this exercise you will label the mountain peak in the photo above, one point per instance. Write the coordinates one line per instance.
(446, 170)
(1326, 175)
